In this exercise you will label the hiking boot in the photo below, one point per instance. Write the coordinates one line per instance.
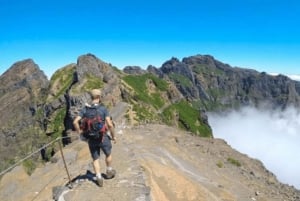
(110, 174)
(99, 181)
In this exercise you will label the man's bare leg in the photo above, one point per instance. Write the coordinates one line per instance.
(108, 161)
(110, 172)
(96, 164)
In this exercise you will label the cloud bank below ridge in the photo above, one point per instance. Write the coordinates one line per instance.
(271, 136)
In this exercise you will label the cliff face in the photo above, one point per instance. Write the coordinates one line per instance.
(69, 91)
(218, 85)
(22, 89)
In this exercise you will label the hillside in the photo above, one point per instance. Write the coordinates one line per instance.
(154, 162)
(215, 86)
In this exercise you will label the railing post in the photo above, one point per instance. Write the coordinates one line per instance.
(62, 155)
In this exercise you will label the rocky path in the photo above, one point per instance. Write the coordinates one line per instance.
(129, 183)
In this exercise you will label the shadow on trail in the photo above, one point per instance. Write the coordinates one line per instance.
(59, 191)
(88, 176)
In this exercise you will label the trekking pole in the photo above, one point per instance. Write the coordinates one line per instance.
(62, 155)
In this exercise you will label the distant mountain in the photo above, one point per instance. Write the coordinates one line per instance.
(35, 110)
(22, 91)
(216, 85)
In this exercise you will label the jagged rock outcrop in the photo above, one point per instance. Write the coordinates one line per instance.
(22, 89)
(89, 72)
(135, 70)
(90, 64)
(182, 75)
(156, 71)
(219, 85)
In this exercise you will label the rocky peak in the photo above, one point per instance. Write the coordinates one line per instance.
(203, 59)
(170, 64)
(177, 67)
(24, 74)
(155, 71)
(206, 60)
(183, 76)
(90, 64)
(135, 70)
(22, 68)
(22, 89)
(24, 81)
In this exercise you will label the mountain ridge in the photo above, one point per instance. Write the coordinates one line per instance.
(177, 94)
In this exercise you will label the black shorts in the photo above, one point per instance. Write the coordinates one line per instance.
(96, 145)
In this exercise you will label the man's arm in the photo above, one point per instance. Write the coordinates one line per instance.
(111, 128)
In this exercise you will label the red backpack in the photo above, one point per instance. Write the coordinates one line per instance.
(93, 122)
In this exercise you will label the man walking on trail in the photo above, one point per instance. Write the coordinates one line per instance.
(102, 141)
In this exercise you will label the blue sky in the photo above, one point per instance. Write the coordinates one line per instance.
(258, 34)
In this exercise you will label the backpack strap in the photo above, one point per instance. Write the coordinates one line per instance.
(102, 109)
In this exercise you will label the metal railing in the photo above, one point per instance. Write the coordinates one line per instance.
(59, 139)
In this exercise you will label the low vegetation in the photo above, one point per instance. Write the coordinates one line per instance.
(147, 101)
(61, 80)
(139, 84)
(58, 123)
(180, 80)
(234, 162)
(92, 82)
(220, 164)
(188, 118)
(29, 166)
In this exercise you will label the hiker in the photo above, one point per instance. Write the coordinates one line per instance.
(103, 141)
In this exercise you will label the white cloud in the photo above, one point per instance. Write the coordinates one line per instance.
(272, 137)
(294, 77)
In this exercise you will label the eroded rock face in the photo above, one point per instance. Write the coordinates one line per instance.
(22, 88)
(203, 77)
(135, 70)
(90, 64)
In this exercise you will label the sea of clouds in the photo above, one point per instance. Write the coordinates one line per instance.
(273, 137)
(294, 77)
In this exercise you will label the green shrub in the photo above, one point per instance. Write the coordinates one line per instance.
(29, 166)
(234, 161)
(220, 164)
(57, 124)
